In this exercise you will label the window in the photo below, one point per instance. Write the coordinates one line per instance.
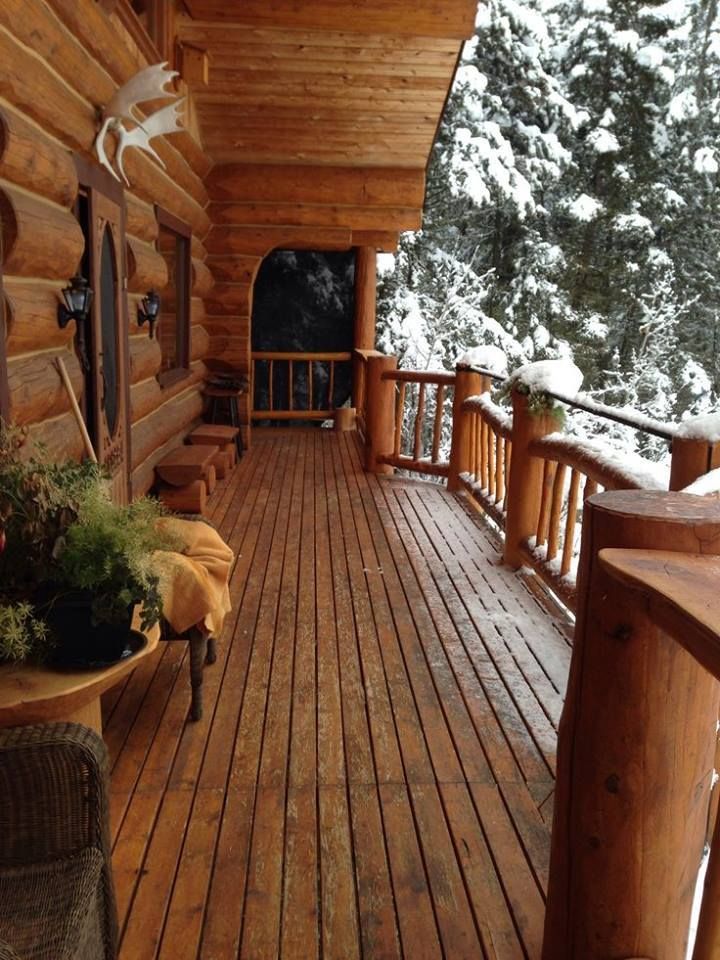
(173, 330)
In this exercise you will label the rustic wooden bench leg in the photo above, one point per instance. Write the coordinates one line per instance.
(211, 656)
(198, 653)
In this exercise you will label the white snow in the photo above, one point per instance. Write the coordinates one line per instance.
(603, 141)
(673, 10)
(633, 222)
(385, 264)
(705, 486)
(701, 428)
(683, 106)
(487, 357)
(549, 376)
(705, 160)
(637, 471)
(584, 208)
(650, 56)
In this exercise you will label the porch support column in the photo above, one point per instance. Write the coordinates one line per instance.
(365, 305)
(636, 748)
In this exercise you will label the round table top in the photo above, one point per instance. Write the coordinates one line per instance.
(38, 694)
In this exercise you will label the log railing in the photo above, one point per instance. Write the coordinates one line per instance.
(298, 386)
(490, 454)
(419, 409)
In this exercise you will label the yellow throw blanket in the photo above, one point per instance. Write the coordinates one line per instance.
(194, 583)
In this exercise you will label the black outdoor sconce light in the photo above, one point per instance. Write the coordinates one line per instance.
(78, 297)
(148, 310)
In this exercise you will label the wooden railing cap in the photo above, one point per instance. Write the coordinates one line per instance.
(662, 505)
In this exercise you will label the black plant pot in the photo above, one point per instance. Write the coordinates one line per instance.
(80, 642)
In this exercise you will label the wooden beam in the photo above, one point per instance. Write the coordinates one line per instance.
(319, 215)
(432, 18)
(287, 183)
(383, 240)
(261, 240)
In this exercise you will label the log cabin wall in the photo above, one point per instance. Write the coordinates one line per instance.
(60, 60)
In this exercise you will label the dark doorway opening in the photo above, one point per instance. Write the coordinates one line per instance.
(303, 307)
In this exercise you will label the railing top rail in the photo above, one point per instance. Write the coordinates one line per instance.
(420, 376)
(591, 459)
(628, 418)
(339, 356)
(366, 354)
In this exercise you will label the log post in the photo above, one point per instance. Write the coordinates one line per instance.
(380, 405)
(525, 487)
(365, 308)
(690, 459)
(636, 749)
(468, 383)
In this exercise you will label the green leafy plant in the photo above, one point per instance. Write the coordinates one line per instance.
(23, 634)
(61, 534)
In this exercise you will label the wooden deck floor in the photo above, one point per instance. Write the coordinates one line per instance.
(373, 774)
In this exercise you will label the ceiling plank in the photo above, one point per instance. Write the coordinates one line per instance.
(287, 183)
(431, 18)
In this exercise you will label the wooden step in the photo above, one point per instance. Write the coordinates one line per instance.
(219, 433)
(184, 465)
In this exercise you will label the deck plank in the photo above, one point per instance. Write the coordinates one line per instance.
(373, 774)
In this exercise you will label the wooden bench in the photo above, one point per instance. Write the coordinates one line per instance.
(187, 475)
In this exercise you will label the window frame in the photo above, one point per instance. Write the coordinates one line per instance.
(183, 231)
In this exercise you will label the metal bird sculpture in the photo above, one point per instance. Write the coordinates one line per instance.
(148, 84)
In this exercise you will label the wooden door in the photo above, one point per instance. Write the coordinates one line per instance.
(108, 376)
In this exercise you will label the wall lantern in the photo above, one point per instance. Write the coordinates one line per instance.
(148, 310)
(78, 297)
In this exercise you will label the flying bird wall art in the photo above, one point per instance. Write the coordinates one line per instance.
(148, 84)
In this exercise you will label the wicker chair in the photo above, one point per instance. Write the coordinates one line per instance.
(57, 900)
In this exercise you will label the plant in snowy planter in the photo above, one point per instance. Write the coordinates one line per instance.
(541, 381)
(73, 564)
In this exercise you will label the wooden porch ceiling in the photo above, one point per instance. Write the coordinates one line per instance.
(373, 774)
(358, 83)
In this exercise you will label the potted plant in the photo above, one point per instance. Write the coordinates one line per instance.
(73, 565)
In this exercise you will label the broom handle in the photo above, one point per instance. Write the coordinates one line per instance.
(89, 449)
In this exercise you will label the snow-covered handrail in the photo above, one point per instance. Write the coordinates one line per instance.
(623, 415)
(498, 417)
(601, 463)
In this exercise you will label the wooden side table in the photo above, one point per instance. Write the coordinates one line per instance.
(35, 694)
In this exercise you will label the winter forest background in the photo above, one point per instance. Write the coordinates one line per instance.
(572, 206)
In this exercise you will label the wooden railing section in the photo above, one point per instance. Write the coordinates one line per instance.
(317, 401)
(487, 480)
(360, 365)
(419, 405)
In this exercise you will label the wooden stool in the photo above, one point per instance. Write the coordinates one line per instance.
(220, 396)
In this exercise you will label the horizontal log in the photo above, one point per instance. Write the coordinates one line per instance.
(237, 37)
(575, 454)
(145, 358)
(31, 160)
(40, 239)
(36, 390)
(339, 356)
(140, 218)
(420, 376)
(32, 310)
(164, 422)
(56, 440)
(148, 395)
(320, 215)
(385, 241)
(286, 183)
(199, 342)
(452, 18)
(417, 466)
(229, 299)
(234, 269)
(198, 248)
(262, 240)
(202, 279)
(218, 344)
(146, 268)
